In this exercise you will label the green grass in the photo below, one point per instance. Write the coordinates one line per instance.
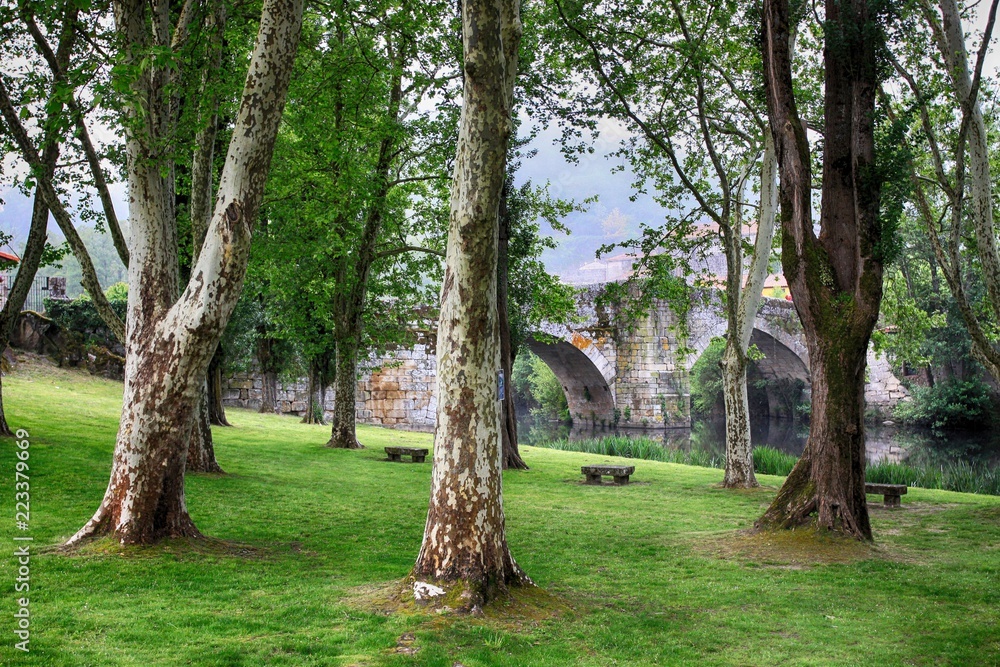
(655, 573)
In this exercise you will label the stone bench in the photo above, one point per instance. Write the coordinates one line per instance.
(417, 454)
(890, 492)
(620, 473)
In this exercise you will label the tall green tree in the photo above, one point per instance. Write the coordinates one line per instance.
(683, 81)
(45, 116)
(362, 174)
(835, 278)
(464, 548)
(527, 294)
(172, 334)
(952, 177)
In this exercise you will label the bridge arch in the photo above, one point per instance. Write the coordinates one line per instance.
(785, 364)
(586, 375)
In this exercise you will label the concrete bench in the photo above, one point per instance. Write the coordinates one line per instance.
(620, 473)
(417, 454)
(890, 492)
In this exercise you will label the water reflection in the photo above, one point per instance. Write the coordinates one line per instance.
(882, 443)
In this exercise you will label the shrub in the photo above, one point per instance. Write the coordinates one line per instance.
(80, 317)
(706, 380)
(538, 387)
(949, 405)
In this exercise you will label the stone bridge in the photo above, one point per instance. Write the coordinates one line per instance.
(639, 374)
(642, 373)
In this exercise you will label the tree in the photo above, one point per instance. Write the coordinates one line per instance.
(364, 162)
(835, 279)
(953, 183)
(683, 83)
(64, 21)
(527, 294)
(465, 545)
(18, 108)
(171, 338)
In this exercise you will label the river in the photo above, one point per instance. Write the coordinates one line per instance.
(883, 442)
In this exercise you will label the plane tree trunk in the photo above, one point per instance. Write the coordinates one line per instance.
(835, 279)
(268, 371)
(343, 433)
(464, 550)
(216, 408)
(741, 308)
(170, 340)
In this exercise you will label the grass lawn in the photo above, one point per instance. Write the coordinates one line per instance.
(655, 573)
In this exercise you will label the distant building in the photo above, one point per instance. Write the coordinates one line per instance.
(710, 270)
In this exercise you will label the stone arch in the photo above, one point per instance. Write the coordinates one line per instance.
(787, 373)
(586, 375)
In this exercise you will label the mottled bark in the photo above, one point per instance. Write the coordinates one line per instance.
(739, 451)
(836, 279)
(171, 340)
(465, 544)
(201, 449)
(741, 311)
(508, 415)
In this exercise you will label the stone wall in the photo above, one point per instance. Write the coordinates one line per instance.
(399, 393)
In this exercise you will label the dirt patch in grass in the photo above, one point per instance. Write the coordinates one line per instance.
(523, 606)
(790, 549)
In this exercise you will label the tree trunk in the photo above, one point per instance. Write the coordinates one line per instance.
(829, 478)
(4, 427)
(508, 415)
(741, 313)
(464, 548)
(950, 257)
(351, 302)
(216, 408)
(269, 376)
(739, 451)
(343, 433)
(170, 340)
(836, 280)
(201, 450)
(310, 416)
